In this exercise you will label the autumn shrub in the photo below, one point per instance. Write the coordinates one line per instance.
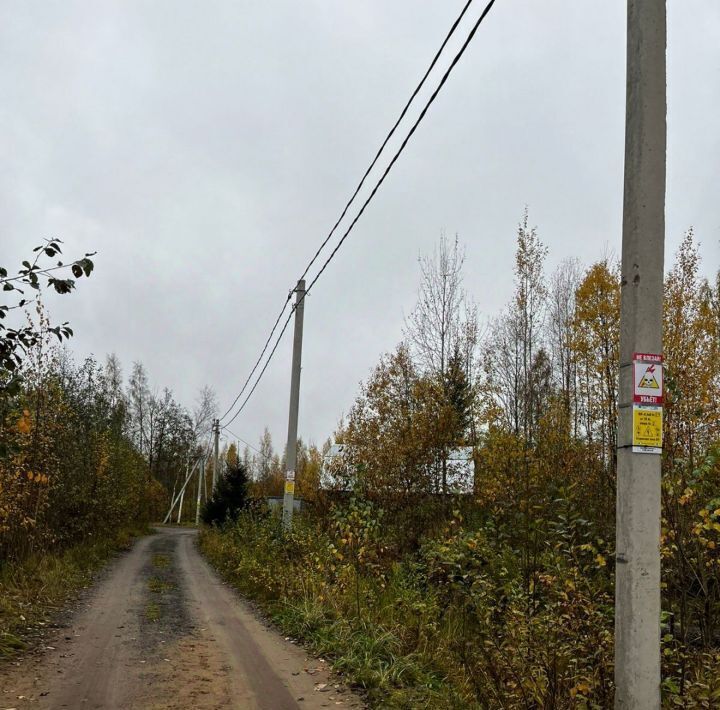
(543, 646)
(453, 624)
(449, 625)
(501, 593)
(690, 550)
(69, 470)
(310, 587)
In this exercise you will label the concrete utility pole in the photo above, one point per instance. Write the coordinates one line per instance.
(637, 579)
(216, 459)
(182, 493)
(176, 498)
(291, 451)
(201, 480)
(182, 498)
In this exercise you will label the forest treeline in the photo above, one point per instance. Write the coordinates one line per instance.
(493, 591)
(82, 456)
(502, 595)
(85, 455)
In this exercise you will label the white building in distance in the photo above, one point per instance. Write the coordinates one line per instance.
(337, 473)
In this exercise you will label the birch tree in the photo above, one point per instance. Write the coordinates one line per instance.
(442, 333)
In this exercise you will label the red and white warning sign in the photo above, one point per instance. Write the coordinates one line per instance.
(648, 378)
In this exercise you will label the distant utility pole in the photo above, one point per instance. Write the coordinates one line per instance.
(216, 427)
(291, 451)
(176, 498)
(201, 480)
(182, 493)
(637, 572)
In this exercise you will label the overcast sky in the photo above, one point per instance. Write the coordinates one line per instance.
(204, 149)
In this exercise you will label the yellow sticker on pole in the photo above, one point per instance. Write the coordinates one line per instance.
(290, 487)
(647, 429)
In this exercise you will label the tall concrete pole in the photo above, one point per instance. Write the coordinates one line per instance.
(201, 480)
(291, 451)
(180, 506)
(637, 580)
(182, 493)
(216, 455)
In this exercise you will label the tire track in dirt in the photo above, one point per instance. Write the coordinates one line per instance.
(160, 631)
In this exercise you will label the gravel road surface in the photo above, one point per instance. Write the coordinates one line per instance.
(160, 630)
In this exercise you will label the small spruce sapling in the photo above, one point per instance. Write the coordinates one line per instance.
(229, 498)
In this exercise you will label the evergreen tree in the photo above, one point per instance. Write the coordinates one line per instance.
(229, 498)
(459, 394)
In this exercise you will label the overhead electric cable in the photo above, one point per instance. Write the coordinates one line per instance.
(260, 357)
(389, 136)
(265, 366)
(250, 446)
(419, 119)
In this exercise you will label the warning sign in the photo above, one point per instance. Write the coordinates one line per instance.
(289, 487)
(290, 475)
(648, 378)
(647, 429)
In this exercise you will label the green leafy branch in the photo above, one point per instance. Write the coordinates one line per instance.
(16, 342)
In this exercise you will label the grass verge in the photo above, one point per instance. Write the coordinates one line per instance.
(452, 624)
(31, 591)
(369, 652)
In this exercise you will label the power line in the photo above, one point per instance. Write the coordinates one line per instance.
(367, 201)
(250, 446)
(419, 119)
(260, 357)
(265, 366)
(355, 193)
(389, 135)
(239, 438)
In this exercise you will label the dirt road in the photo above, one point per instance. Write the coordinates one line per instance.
(161, 631)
